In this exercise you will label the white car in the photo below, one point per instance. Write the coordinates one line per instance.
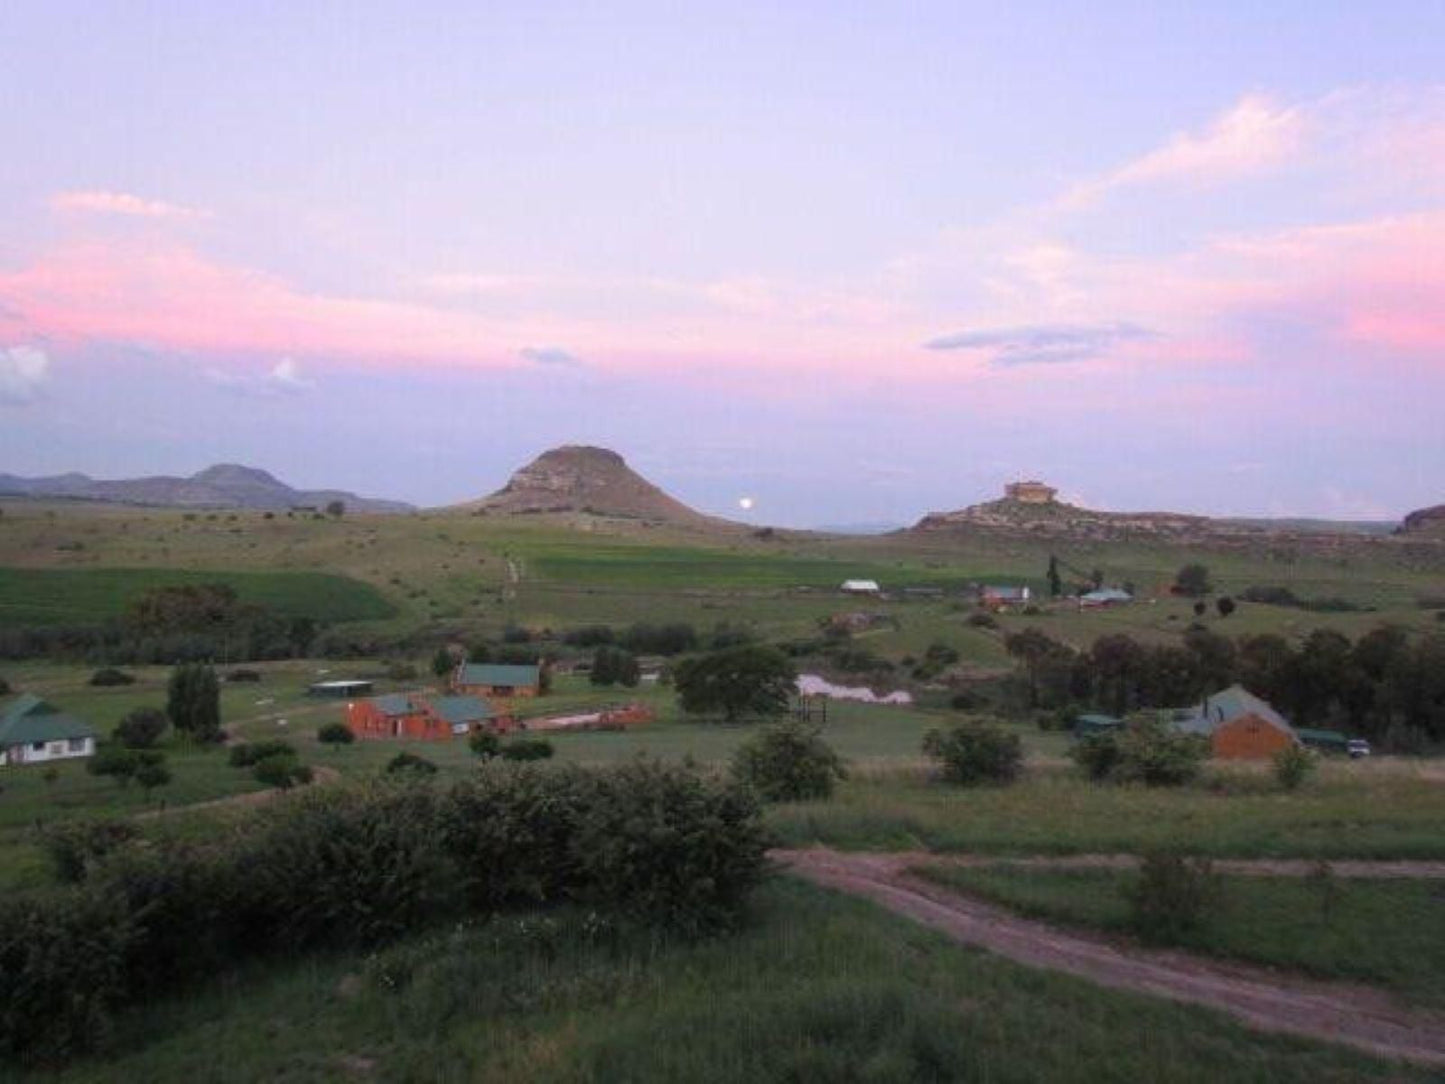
(1357, 748)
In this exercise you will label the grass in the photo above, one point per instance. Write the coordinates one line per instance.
(1381, 810)
(81, 596)
(816, 988)
(1387, 932)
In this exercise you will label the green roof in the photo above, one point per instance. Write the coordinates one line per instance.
(30, 719)
(393, 704)
(1321, 737)
(1226, 706)
(461, 709)
(487, 673)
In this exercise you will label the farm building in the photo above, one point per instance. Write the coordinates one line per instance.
(860, 587)
(1086, 726)
(33, 731)
(398, 715)
(1239, 725)
(999, 596)
(1029, 492)
(339, 690)
(1323, 741)
(1105, 596)
(493, 679)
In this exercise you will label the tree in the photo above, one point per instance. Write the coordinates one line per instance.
(336, 509)
(114, 761)
(442, 663)
(975, 753)
(1225, 605)
(335, 734)
(1046, 665)
(485, 744)
(1056, 582)
(751, 680)
(141, 728)
(280, 770)
(152, 772)
(193, 701)
(409, 764)
(789, 762)
(1193, 581)
(111, 676)
(615, 666)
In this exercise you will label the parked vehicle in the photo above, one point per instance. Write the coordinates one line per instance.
(1357, 748)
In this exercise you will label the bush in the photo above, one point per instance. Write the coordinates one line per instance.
(280, 770)
(73, 846)
(246, 755)
(243, 677)
(589, 636)
(485, 744)
(141, 728)
(1292, 766)
(1172, 897)
(1153, 753)
(4, 687)
(975, 753)
(1097, 754)
(110, 676)
(965, 700)
(982, 621)
(405, 764)
(335, 734)
(115, 761)
(789, 762)
(1193, 580)
(527, 749)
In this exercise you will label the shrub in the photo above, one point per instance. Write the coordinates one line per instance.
(115, 761)
(111, 676)
(405, 764)
(975, 753)
(152, 771)
(1292, 766)
(589, 636)
(527, 749)
(789, 762)
(965, 700)
(245, 755)
(243, 677)
(1193, 580)
(485, 744)
(1153, 753)
(73, 846)
(335, 734)
(982, 621)
(1172, 897)
(4, 687)
(1097, 754)
(141, 728)
(193, 701)
(280, 770)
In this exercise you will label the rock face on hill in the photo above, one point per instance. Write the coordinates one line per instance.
(1055, 518)
(1426, 521)
(226, 485)
(578, 478)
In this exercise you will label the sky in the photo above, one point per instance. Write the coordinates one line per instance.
(858, 262)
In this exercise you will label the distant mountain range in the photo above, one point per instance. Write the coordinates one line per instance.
(226, 485)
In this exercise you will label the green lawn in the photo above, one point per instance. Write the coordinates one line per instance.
(79, 596)
(817, 987)
(1387, 932)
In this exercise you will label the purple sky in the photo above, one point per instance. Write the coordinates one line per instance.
(858, 262)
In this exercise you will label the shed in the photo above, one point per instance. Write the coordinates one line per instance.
(340, 690)
(1086, 726)
(1239, 725)
(860, 587)
(1326, 741)
(1105, 596)
(495, 679)
(34, 731)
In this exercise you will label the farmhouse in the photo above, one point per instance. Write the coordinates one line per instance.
(398, 715)
(998, 596)
(492, 679)
(33, 731)
(860, 587)
(1239, 725)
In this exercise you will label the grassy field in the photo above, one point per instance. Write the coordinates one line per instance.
(815, 988)
(1389, 933)
(76, 596)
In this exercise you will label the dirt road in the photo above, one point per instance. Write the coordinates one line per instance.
(1334, 1012)
(1352, 868)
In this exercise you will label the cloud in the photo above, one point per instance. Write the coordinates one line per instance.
(1042, 344)
(550, 355)
(23, 373)
(1253, 136)
(284, 379)
(122, 203)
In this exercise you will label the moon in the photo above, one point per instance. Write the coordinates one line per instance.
(745, 503)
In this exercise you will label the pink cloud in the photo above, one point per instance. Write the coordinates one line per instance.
(122, 203)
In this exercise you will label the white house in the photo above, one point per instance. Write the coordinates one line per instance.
(33, 732)
(861, 587)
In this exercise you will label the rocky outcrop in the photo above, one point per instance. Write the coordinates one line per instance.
(1426, 521)
(582, 479)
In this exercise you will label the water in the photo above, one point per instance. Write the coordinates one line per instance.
(815, 685)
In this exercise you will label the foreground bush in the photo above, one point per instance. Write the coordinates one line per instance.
(789, 762)
(248, 754)
(1148, 751)
(975, 753)
(109, 676)
(335, 734)
(1173, 896)
(1292, 766)
(527, 749)
(73, 846)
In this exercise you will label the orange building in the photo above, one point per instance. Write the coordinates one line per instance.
(496, 680)
(424, 719)
(1240, 726)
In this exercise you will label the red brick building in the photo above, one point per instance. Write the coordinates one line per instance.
(418, 718)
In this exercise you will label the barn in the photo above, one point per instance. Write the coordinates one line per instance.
(1239, 725)
(395, 715)
(34, 731)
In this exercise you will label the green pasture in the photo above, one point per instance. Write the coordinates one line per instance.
(815, 987)
(77, 596)
(1388, 932)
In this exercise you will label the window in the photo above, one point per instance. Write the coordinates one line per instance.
(37, 747)
(75, 745)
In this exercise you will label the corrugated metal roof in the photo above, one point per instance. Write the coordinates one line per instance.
(461, 709)
(393, 704)
(1227, 705)
(30, 719)
(488, 673)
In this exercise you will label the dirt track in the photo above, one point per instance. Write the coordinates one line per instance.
(1334, 1012)
(1248, 867)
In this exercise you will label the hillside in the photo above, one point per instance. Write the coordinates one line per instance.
(1429, 522)
(581, 479)
(225, 485)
